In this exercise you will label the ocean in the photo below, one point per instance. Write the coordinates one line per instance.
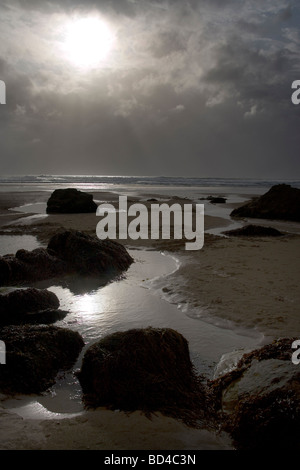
(106, 182)
(146, 180)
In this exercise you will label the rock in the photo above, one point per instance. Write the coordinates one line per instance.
(5, 269)
(69, 252)
(34, 356)
(280, 202)
(30, 266)
(29, 306)
(260, 399)
(254, 231)
(28, 300)
(142, 369)
(89, 255)
(70, 201)
(217, 200)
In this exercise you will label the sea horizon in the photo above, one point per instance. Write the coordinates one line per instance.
(153, 180)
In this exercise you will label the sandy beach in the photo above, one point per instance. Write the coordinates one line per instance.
(252, 282)
(243, 283)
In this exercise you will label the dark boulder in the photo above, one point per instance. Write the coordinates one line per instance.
(259, 400)
(142, 369)
(30, 266)
(5, 269)
(69, 252)
(35, 355)
(86, 254)
(217, 199)
(70, 201)
(254, 231)
(281, 202)
(29, 306)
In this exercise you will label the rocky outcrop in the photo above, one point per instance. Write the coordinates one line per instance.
(32, 265)
(29, 306)
(259, 401)
(34, 356)
(69, 252)
(85, 254)
(254, 231)
(70, 201)
(142, 369)
(280, 202)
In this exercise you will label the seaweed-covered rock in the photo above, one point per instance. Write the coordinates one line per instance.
(34, 356)
(254, 231)
(142, 369)
(69, 252)
(70, 201)
(30, 266)
(282, 202)
(29, 306)
(84, 253)
(260, 399)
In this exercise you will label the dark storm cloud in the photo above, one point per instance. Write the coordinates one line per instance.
(193, 87)
(239, 65)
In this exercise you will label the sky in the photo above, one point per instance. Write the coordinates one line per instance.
(150, 87)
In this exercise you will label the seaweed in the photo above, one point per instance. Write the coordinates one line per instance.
(144, 369)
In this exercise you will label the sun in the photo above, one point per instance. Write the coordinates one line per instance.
(87, 42)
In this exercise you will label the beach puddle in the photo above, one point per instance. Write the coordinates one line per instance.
(34, 208)
(34, 212)
(10, 244)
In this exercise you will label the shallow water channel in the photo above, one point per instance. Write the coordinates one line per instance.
(129, 302)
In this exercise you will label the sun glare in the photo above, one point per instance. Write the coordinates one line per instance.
(88, 42)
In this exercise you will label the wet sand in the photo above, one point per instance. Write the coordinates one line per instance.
(105, 430)
(250, 282)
